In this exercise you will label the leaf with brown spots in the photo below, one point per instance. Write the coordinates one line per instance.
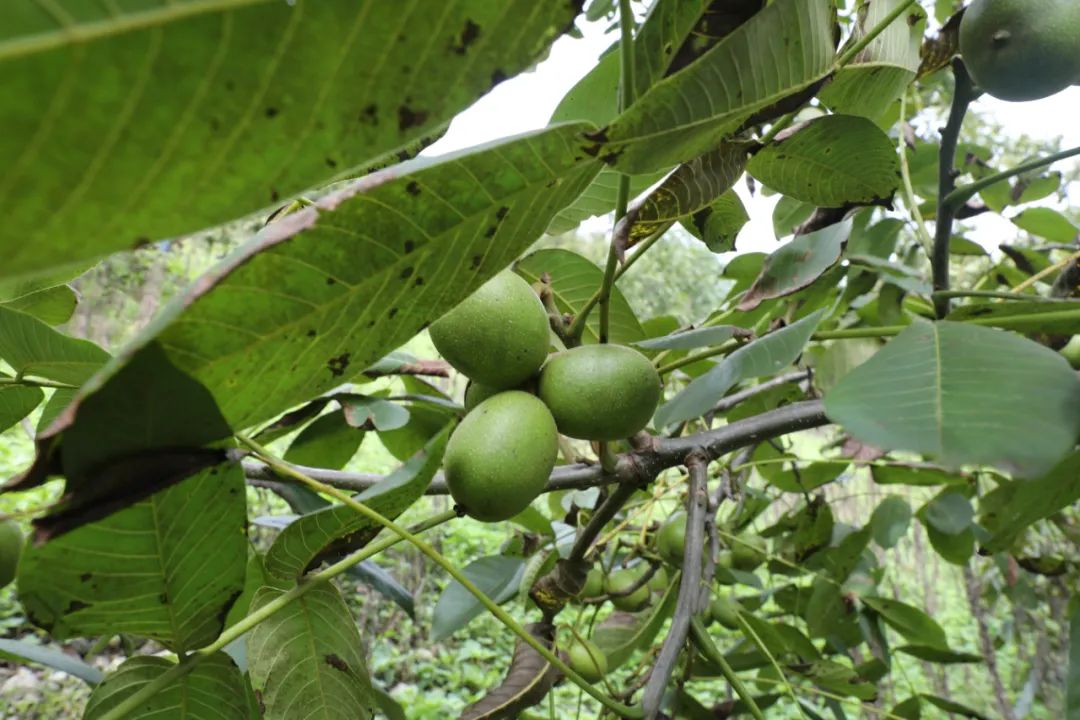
(830, 161)
(797, 264)
(252, 113)
(309, 655)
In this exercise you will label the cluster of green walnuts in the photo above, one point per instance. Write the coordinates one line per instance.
(630, 590)
(520, 398)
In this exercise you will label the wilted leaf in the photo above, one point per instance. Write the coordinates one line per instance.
(214, 690)
(830, 162)
(308, 655)
(528, 680)
(764, 356)
(254, 109)
(963, 394)
(797, 264)
(881, 72)
(167, 568)
(692, 187)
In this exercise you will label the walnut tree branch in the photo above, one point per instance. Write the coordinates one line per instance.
(689, 600)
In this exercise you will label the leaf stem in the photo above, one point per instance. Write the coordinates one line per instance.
(253, 619)
(712, 654)
(693, 357)
(962, 194)
(860, 45)
(437, 557)
(36, 382)
(995, 294)
(964, 93)
(622, 197)
(909, 189)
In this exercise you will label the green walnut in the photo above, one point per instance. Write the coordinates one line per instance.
(748, 553)
(725, 610)
(600, 392)
(659, 581)
(594, 584)
(11, 546)
(587, 660)
(477, 393)
(1022, 49)
(622, 580)
(498, 336)
(671, 540)
(500, 456)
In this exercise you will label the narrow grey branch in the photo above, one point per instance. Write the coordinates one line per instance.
(689, 600)
(743, 395)
(635, 468)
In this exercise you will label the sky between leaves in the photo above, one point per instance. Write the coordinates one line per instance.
(527, 101)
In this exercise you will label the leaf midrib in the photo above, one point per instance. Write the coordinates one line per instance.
(129, 22)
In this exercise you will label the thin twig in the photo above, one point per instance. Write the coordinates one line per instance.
(688, 603)
(742, 396)
(964, 94)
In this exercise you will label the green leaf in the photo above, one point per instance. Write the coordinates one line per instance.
(308, 655)
(31, 347)
(328, 442)
(693, 339)
(954, 707)
(764, 356)
(719, 224)
(692, 187)
(251, 94)
(323, 293)
(497, 576)
(830, 162)
(833, 362)
(367, 412)
(789, 44)
(1047, 223)
(167, 568)
(911, 622)
(384, 583)
(949, 512)
(16, 402)
(213, 690)
(963, 394)
(1072, 683)
(1012, 507)
(575, 279)
(621, 633)
(910, 709)
(599, 198)
(425, 421)
(956, 549)
(940, 656)
(914, 476)
(1025, 315)
(52, 306)
(839, 679)
(788, 214)
(32, 652)
(337, 528)
(797, 264)
(880, 73)
(890, 521)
